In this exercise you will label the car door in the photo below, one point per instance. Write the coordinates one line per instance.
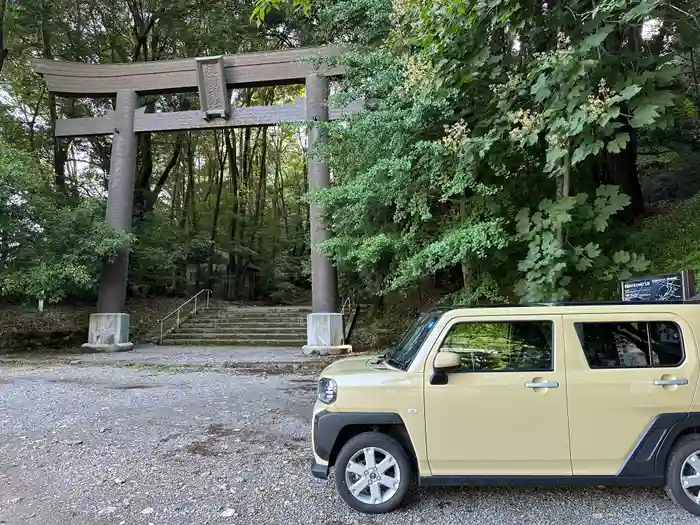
(492, 418)
(622, 371)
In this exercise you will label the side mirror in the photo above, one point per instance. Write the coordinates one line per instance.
(445, 362)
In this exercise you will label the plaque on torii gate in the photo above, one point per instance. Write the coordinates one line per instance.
(213, 78)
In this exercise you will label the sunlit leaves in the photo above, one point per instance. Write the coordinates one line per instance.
(262, 7)
(47, 249)
(618, 143)
(607, 203)
(543, 98)
(552, 261)
(644, 116)
(627, 93)
(468, 241)
(596, 39)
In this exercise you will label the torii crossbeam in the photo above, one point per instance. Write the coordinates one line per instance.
(212, 78)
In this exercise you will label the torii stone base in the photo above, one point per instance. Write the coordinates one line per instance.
(109, 333)
(325, 335)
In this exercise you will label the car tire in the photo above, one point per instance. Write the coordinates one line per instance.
(680, 463)
(376, 496)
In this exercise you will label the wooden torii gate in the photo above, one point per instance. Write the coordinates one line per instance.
(212, 78)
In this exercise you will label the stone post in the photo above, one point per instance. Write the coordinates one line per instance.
(109, 327)
(325, 333)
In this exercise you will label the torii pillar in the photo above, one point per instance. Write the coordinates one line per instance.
(109, 327)
(324, 326)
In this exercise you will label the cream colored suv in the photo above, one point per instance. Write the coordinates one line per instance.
(600, 394)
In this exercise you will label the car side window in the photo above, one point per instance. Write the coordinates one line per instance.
(502, 346)
(631, 345)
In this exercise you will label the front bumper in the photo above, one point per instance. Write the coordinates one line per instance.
(321, 443)
(325, 429)
(319, 471)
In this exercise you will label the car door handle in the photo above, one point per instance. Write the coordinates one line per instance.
(543, 384)
(670, 382)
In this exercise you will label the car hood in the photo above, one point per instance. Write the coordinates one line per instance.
(364, 369)
(351, 366)
(366, 384)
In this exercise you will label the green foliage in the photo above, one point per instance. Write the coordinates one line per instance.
(475, 110)
(262, 7)
(192, 203)
(670, 238)
(470, 121)
(552, 263)
(159, 256)
(47, 249)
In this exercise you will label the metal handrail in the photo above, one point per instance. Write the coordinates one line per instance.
(348, 307)
(177, 310)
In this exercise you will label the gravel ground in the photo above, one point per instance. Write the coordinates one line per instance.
(94, 443)
(166, 355)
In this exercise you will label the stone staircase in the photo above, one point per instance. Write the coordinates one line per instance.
(256, 326)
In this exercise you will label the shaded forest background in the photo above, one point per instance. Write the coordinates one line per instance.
(486, 167)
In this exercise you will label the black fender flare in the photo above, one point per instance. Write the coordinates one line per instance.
(681, 427)
(650, 455)
(329, 425)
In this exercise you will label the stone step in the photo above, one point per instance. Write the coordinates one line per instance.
(267, 309)
(250, 327)
(242, 328)
(236, 333)
(254, 312)
(246, 327)
(290, 343)
(259, 313)
(272, 317)
(248, 317)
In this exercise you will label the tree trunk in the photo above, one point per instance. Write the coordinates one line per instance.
(696, 85)
(188, 185)
(143, 175)
(260, 197)
(621, 170)
(175, 201)
(190, 180)
(230, 138)
(60, 151)
(564, 190)
(155, 192)
(220, 184)
(467, 268)
(3, 34)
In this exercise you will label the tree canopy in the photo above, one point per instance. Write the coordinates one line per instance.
(502, 140)
(507, 150)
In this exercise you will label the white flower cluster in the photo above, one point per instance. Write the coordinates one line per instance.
(563, 51)
(563, 41)
(513, 85)
(557, 140)
(524, 123)
(400, 7)
(597, 103)
(454, 135)
(418, 72)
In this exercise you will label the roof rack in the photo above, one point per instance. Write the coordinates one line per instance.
(694, 300)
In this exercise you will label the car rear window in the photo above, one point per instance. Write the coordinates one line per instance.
(631, 344)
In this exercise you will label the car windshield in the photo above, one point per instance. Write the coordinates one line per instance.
(405, 351)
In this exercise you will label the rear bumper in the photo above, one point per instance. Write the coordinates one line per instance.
(319, 471)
